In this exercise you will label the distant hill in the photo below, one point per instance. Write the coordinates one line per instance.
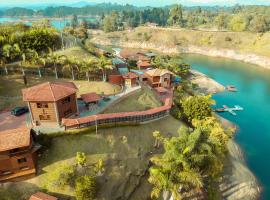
(82, 4)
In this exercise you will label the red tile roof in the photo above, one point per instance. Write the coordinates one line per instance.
(49, 92)
(42, 196)
(90, 97)
(14, 138)
(144, 64)
(130, 75)
(158, 72)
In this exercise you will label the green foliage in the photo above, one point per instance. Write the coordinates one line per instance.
(99, 167)
(237, 23)
(110, 22)
(197, 107)
(176, 16)
(62, 176)
(85, 188)
(44, 140)
(81, 159)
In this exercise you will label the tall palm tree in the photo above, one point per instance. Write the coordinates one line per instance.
(56, 59)
(103, 64)
(3, 63)
(37, 60)
(89, 65)
(9, 53)
(72, 63)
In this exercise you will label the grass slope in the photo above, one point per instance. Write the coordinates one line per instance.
(126, 151)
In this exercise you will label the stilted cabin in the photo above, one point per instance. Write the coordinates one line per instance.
(130, 79)
(50, 102)
(17, 154)
(42, 196)
(159, 78)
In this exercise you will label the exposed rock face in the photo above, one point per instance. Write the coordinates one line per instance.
(262, 61)
(238, 182)
(206, 84)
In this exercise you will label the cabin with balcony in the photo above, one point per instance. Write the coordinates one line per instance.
(50, 102)
(159, 78)
(17, 154)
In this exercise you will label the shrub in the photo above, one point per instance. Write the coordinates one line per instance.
(81, 159)
(85, 188)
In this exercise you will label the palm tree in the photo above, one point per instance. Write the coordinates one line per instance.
(37, 60)
(56, 59)
(89, 65)
(9, 52)
(72, 63)
(103, 64)
(3, 63)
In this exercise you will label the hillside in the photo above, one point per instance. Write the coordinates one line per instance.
(249, 47)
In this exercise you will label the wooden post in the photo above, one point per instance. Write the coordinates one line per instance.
(96, 124)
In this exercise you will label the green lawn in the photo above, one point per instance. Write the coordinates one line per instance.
(75, 51)
(140, 101)
(11, 86)
(125, 150)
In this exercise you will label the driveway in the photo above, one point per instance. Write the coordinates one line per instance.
(8, 121)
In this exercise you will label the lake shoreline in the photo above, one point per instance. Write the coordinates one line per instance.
(261, 61)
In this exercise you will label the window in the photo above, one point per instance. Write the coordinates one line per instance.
(42, 105)
(66, 100)
(22, 160)
(69, 111)
(44, 117)
(24, 168)
(6, 172)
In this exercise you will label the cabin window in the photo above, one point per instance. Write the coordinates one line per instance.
(24, 168)
(22, 160)
(69, 111)
(42, 105)
(66, 100)
(44, 117)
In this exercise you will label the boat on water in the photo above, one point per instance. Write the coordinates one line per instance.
(231, 88)
(230, 110)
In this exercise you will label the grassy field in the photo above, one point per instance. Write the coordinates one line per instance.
(125, 150)
(11, 86)
(140, 101)
(243, 42)
(75, 51)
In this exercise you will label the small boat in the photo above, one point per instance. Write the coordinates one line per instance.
(219, 110)
(231, 88)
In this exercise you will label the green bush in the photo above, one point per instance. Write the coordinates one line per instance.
(85, 188)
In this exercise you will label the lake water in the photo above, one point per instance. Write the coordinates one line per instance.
(57, 23)
(253, 84)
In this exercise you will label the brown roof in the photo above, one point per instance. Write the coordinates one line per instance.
(161, 89)
(158, 72)
(49, 92)
(130, 75)
(14, 138)
(144, 64)
(42, 196)
(133, 54)
(90, 97)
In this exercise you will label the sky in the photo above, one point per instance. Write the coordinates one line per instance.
(143, 2)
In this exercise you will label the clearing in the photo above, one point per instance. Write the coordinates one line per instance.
(11, 86)
(142, 100)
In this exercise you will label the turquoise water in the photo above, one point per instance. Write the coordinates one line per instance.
(253, 84)
(57, 23)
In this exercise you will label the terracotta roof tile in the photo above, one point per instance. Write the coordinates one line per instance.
(49, 92)
(158, 72)
(14, 138)
(90, 97)
(144, 64)
(130, 75)
(42, 196)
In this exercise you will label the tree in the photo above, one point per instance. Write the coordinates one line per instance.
(81, 159)
(89, 65)
(237, 23)
(220, 21)
(157, 136)
(70, 64)
(74, 21)
(56, 59)
(85, 188)
(197, 107)
(103, 64)
(176, 16)
(259, 24)
(99, 167)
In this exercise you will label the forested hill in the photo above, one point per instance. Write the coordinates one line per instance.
(116, 17)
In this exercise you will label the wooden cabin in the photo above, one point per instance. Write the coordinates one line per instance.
(130, 79)
(17, 154)
(143, 65)
(42, 196)
(50, 102)
(159, 78)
